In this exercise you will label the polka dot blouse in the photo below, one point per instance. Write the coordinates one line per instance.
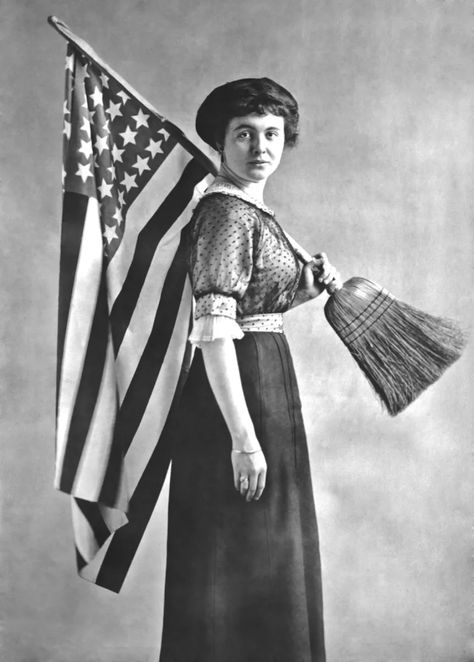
(240, 261)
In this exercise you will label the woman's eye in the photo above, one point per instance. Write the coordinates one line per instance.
(272, 134)
(243, 134)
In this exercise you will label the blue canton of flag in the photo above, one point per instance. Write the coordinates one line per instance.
(113, 146)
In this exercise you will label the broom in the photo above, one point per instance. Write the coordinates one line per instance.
(399, 348)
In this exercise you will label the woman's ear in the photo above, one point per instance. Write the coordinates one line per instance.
(220, 151)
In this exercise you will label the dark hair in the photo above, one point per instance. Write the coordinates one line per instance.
(243, 97)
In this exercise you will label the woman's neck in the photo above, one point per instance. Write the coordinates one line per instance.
(252, 189)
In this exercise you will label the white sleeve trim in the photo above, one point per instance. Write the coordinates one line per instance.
(213, 327)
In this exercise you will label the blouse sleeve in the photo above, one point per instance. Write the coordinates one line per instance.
(221, 255)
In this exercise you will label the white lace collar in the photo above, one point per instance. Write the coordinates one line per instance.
(221, 185)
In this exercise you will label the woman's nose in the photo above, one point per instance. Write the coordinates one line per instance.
(259, 145)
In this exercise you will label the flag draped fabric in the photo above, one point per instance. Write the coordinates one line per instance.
(130, 182)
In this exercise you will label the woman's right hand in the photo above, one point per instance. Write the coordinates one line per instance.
(325, 273)
(316, 276)
(250, 473)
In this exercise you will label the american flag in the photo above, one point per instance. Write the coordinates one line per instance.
(131, 180)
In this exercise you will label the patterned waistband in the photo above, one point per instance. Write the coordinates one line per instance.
(264, 322)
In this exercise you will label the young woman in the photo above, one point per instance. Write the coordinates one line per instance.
(243, 579)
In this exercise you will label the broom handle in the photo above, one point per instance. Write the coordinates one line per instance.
(302, 253)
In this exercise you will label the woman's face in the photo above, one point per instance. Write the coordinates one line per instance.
(253, 145)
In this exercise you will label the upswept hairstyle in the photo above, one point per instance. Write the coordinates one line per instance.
(243, 97)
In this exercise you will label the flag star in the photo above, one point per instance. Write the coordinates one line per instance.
(141, 118)
(63, 175)
(70, 62)
(84, 70)
(86, 126)
(118, 216)
(86, 148)
(165, 134)
(128, 136)
(114, 110)
(103, 124)
(111, 169)
(129, 181)
(104, 79)
(154, 147)
(66, 110)
(121, 197)
(105, 189)
(110, 233)
(117, 153)
(84, 104)
(101, 143)
(67, 129)
(123, 96)
(141, 164)
(84, 171)
(96, 97)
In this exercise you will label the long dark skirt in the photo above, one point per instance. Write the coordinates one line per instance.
(243, 580)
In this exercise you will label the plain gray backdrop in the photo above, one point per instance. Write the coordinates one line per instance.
(382, 180)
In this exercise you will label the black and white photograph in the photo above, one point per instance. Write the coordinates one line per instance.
(236, 394)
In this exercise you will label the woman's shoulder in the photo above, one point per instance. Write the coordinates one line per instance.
(222, 209)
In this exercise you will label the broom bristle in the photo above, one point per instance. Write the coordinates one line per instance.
(401, 349)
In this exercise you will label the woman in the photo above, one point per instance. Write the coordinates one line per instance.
(243, 580)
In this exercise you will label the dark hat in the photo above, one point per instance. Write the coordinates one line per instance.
(233, 99)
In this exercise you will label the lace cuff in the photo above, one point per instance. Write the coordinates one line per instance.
(213, 327)
(216, 304)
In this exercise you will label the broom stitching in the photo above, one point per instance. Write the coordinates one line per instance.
(366, 319)
(375, 303)
(367, 323)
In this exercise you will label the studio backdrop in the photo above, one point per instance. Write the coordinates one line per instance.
(382, 181)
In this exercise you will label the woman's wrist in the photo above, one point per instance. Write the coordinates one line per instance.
(256, 450)
(245, 443)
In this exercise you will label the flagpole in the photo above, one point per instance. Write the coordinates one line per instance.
(88, 52)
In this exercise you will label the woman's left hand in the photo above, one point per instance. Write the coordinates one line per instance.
(316, 276)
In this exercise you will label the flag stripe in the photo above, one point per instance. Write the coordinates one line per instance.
(80, 561)
(148, 239)
(141, 323)
(88, 390)
(154, 417)
(142, 384)
(85, 539)
(137, 335)
(125, 542)
(91, 513)
(81, 315)
(73, 219)
(98, 447)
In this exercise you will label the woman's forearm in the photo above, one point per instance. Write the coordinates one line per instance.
(222, 370)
